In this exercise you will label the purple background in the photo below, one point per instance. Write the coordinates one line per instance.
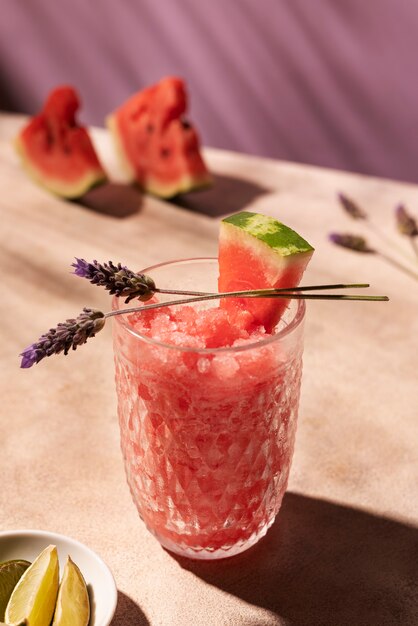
(328, 82)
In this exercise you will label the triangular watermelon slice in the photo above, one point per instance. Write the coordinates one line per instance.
(256, 252)
(56, 151)
(158, 147)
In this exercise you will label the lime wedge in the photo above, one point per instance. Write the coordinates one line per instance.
(35, 594)
(10, 572)
(73, 605)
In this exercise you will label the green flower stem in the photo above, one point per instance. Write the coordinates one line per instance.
(398, 265)
(259, 294)
(374, 228)
(265, 292)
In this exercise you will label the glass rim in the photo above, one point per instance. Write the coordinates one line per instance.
(292, 325)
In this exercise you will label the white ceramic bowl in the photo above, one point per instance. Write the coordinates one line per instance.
(27, 544)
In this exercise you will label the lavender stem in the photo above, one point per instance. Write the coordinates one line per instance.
(374, 228)
(414, 245)
(265, 292)
(216, 296)
(396, 263)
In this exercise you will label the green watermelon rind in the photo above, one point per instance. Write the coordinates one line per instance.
(57, 186)
(279, 238)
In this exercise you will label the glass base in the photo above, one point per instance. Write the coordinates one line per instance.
(206, 554)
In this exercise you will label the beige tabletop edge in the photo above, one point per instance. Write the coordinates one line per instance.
(344, 547)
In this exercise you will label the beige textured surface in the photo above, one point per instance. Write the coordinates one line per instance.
(345, 547)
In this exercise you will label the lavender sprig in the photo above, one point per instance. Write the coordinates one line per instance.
(351, 207)
(407, 225)
(117, 279)
(356, 243)
(69, 334)
(352, 242)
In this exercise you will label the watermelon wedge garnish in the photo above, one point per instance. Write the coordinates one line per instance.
(257, 252)
(56, 151)
(158, 147)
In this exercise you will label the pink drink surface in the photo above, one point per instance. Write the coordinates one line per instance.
(207, 435)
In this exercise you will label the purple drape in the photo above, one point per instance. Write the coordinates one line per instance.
(316, 81)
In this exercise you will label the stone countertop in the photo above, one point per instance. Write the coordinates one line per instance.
(344, 549)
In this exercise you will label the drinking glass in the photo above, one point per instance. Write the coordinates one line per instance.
(207, 435)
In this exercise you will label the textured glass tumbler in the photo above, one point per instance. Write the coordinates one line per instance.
(207, 435)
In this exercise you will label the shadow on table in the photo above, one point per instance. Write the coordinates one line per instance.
(327, 564)
(113, 199)
(128, 612)
(227, 195)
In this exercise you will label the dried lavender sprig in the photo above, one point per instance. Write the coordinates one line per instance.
(67, 335)
(352, 242)
(407, 226)
(107, 275)
(357, 243)
(117, 279)
(357, 213)
(351, 207)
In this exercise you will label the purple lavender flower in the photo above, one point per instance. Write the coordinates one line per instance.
(29, 355)
(117, 279)
(83, 268)
(406, 224)
(351, 207)
(67, 335)
(352, 242)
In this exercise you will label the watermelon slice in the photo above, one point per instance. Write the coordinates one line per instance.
(56, 151)
(158, 147)
(256, 252)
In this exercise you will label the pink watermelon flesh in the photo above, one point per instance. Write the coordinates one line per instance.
(56, 151)
(258, 252)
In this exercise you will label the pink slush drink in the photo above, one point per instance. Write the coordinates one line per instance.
(207, 415)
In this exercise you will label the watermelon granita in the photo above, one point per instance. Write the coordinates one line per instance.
(207, 402)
